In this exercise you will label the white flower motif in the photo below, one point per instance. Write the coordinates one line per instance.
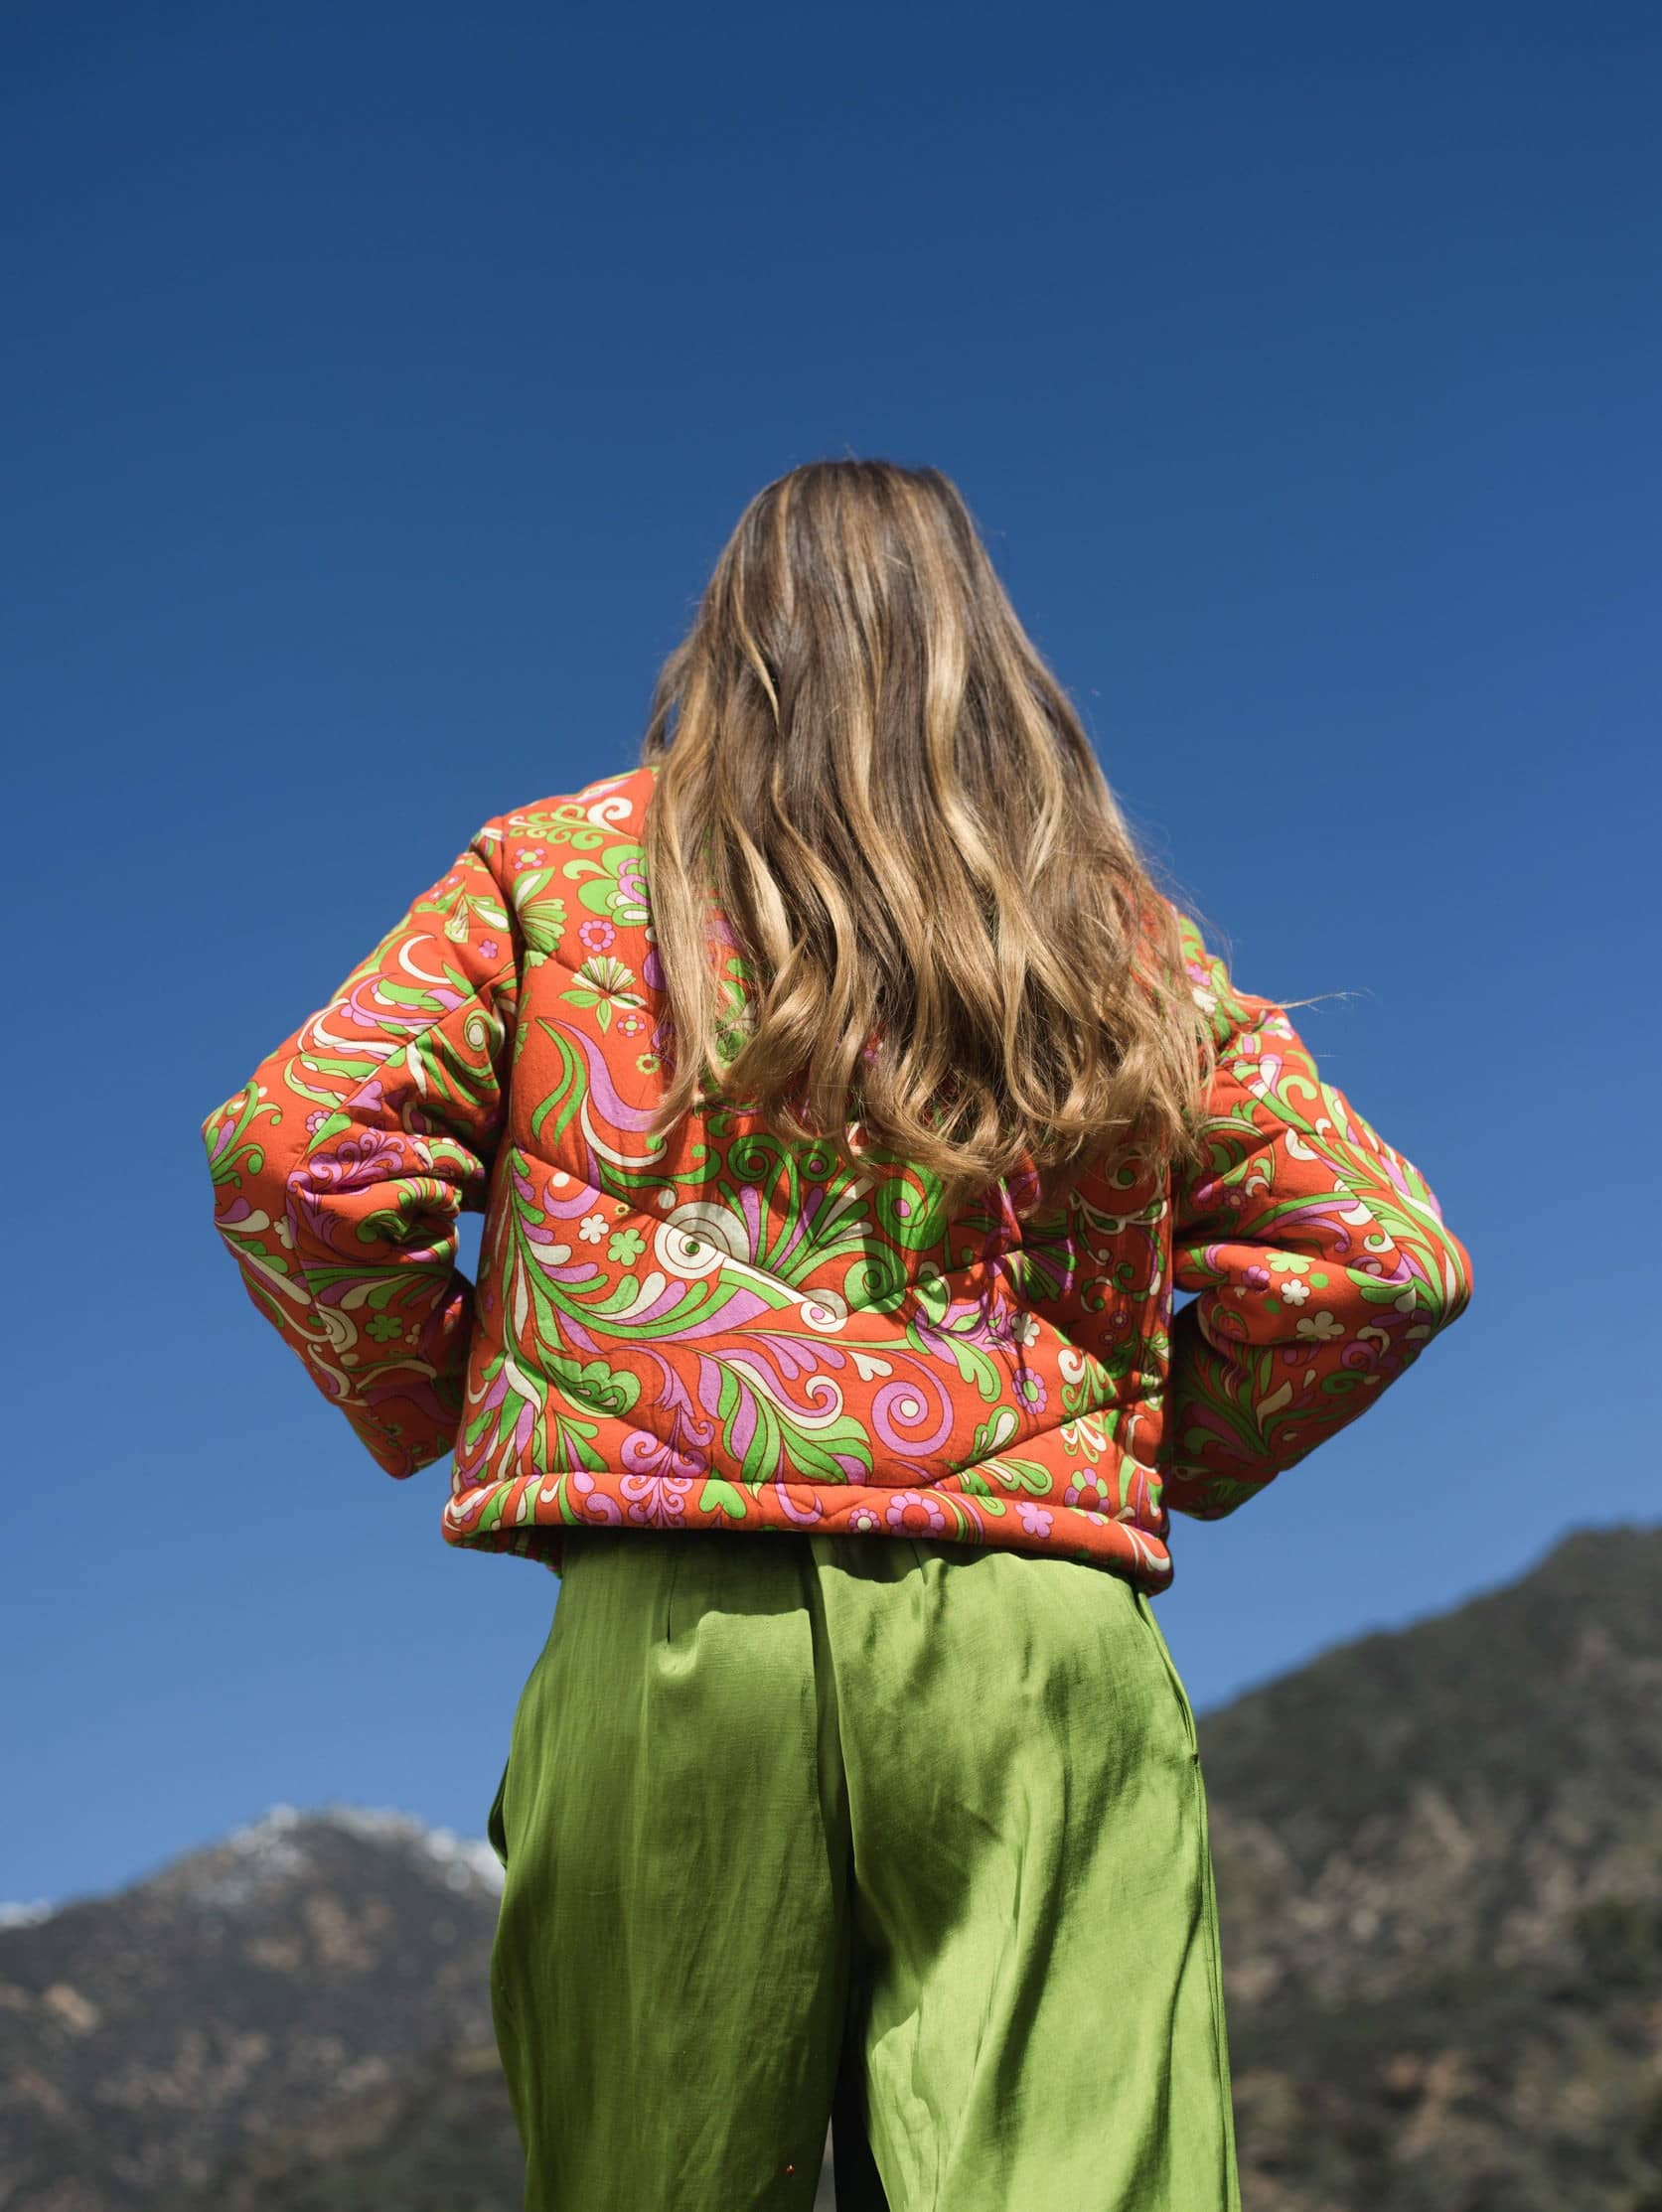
(592, 1228)
(1321, 1325)
(1293, 1291)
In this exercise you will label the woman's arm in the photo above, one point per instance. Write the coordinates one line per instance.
(341, 1165)
(1319, 1255)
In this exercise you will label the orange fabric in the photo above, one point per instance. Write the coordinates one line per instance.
(726, 1333)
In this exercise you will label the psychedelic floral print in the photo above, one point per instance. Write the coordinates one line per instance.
(715, 1330)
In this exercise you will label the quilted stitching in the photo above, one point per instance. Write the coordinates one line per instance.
(720, 1331)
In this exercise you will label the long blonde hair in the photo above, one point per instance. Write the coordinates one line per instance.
(888, 879)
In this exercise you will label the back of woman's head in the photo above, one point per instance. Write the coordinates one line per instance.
(881, 815)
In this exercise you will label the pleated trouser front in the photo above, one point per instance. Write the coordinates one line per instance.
(908, 1829)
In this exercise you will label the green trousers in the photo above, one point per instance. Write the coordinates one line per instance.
(903, 1835)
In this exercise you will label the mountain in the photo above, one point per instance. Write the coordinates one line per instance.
(1439, 1854)
(305, 1965)
(1439, 1872)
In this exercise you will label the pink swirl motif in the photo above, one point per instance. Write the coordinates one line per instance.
(657, 1459)
(597, 1506)
(908, 1402)
(656, 1501)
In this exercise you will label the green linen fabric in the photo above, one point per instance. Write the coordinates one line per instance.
(909, 1831)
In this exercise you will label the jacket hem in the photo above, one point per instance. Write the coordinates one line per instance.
(528, 1515)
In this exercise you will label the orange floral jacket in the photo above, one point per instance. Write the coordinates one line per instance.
(718, 1331)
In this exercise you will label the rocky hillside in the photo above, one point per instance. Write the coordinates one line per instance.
(1439, 1874)
(305, 1967)
(1439, 1864)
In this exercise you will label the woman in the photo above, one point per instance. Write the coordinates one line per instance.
(845, 1103)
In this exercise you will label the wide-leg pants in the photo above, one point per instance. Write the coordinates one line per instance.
(906, 1834)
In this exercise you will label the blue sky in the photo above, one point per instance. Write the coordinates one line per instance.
(380, 385)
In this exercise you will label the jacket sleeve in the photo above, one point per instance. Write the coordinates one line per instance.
(1319, 1257)
(340, 1166)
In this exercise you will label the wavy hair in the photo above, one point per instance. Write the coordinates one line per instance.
(889, 883)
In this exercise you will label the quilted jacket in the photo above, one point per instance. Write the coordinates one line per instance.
(724, 1331)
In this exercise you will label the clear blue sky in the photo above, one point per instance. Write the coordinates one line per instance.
(379, 386)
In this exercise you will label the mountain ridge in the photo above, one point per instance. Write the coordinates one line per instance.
(1439, 1851)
